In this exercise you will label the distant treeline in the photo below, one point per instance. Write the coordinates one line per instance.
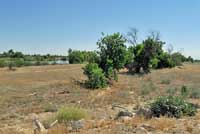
(162, 60)
(78, 57)
(113, 54)
(18, 59)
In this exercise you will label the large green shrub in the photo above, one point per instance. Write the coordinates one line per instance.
(172, 106)
(164, 61)
(96, 78)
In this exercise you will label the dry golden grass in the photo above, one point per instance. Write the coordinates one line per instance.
(29, 89)
(162, 123)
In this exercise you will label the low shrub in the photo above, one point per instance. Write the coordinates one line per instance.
(184, 91)
(172, 106)
(19, 62)
(50, 108)
(96, 77)
(28, 63)
(167, 81)
(70, 114)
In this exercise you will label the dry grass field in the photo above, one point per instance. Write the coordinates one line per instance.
(35, 91)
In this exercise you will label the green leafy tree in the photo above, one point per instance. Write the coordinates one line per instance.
(144, 54)
(76, 57)
(113, 54)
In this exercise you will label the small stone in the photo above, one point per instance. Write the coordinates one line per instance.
(146, 112)
(77, 124)
(147, 127)
(125, 118)
(124, 113)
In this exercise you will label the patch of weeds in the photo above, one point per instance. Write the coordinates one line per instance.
(147, 88)
(195, 93)
(172, 91)
(184, 91)
(172, 106)
(50, 108)
(166, 81)
(70, 114)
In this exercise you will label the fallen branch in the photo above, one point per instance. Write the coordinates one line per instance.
(39, 127)
(54, 123)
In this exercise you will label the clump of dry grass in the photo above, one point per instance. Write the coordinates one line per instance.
(70, 113)
(162, 123)
(137, 121)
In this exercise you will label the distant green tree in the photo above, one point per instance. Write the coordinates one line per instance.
(144, 54)
(76, 57)
(17, 55)
(190, 59)
(178, 58)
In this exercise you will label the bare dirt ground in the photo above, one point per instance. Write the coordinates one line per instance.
(27, 91)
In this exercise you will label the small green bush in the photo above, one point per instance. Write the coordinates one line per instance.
(50, 108)
(184, 91)
(167, 81)
(70, 114)
(28, 63)
(195, 93)
(96, 77)
(172, 106)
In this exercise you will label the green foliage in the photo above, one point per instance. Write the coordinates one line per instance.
(178, 58)
(190, 59)
(96, 78)
(184, 91)
(113, 54)
(19, 62)
(166, 81)
(70, 114)
(50, 108)
(172, 106)
(19, 59)
(2, 63)
(145, 54)
(164, 61)
(77, 57)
